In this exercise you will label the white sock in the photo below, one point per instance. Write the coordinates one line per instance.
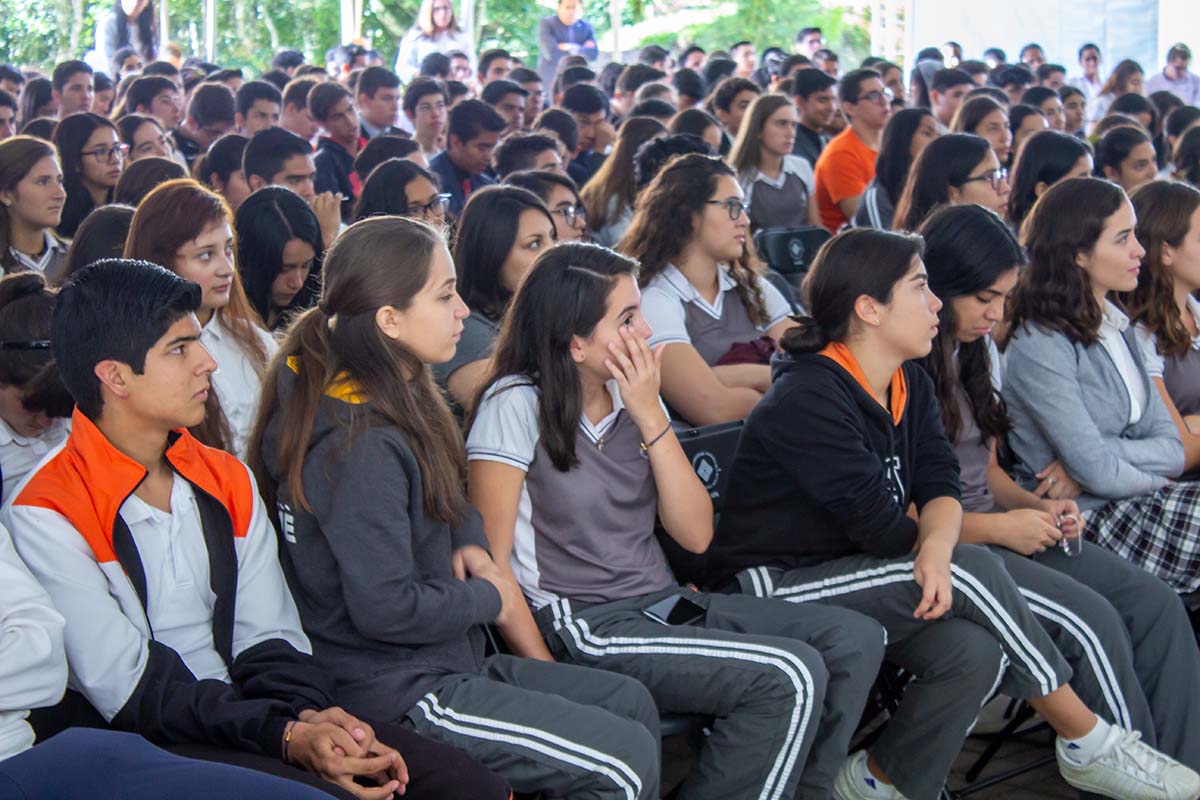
(1085, 749)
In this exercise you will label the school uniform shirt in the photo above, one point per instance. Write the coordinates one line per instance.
(1179, 373)
(335, 173)
(1113, 324)
(1186, 88)
(478, 337)
(237, 382)
(20, 454)
(677, 312)
(50, 263)
(973, 449)
(458, 184)
(33, 663)
(585, 534)
(782, 201)
(179, 626)
(822, 470)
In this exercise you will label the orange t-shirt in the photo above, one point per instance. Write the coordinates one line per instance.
(844, 169)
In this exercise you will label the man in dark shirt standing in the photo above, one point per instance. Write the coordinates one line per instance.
(474, 130)
(813, 94)
(564, 33)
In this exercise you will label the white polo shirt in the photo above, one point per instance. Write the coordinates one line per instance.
(237, 382)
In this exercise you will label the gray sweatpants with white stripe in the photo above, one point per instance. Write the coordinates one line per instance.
(786, 684)
(558, 729)
(989, 640)
(1127, 637)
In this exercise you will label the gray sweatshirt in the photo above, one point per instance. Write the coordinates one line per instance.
(1068, 402)
(370, 572)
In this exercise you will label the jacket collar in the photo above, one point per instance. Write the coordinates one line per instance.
(840, 354)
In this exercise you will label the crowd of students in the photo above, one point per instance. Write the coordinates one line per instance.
(347, 466)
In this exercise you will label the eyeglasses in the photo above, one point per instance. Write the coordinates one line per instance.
(996, 177)
(733, 206)
(107, 155)
(884, 95)
(572, 214)
(434, 206)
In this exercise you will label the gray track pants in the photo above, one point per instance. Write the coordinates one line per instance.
(787, 684)
(558, 729)
(989, 640)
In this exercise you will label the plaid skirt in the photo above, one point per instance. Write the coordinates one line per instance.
(1160, 532)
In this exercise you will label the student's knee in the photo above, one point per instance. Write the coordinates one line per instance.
(977, 559)
(796, 675)
(864, 640)
(976, 659)
(630, 698)
(633, 763)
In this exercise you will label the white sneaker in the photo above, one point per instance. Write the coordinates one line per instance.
(1127, 768)
(855, 782)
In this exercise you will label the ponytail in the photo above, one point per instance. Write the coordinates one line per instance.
(806, 337)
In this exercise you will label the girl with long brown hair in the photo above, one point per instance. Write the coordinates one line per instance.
(1166, 316)
(189, 230)
(778, 185)
(31, 206)
(361, 458)
(703, 290)
(609, 196)
(91, 156)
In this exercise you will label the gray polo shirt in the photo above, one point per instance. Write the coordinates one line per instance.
(585, 534)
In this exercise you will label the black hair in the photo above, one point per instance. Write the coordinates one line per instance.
(653, 53)
(519, 151)
(570, 76)
(1187, 156)
(435, 65)
(997, 54)
(26, 309)
(495, 91)
(8, 101)
(562, 124)
(470, 118)
(142, 176)
(717, 70)
(488, 56)
(727, 90)
(607, 77)
(694, 48)
(524, 75)
(931, 54)
(224, 157)
(1031, 46)
(324, 96)
(277, 78)
(653, 155)
(1134, 104)
(1088, 46)
(422, 87)
(1017, 116)
(541, 182)
(857, 262)
(1045, 158)
(487, 229)
(65, 70)
(383, 190)
(1036, 95)
(265, 222)
(42, 128)
(1180, 120)
(114, 309)
(694, 121)
(658, 109)
(253, 91)
(808, 81)
(101, 235)
(381, 149)
(793, 61)
(946, 79)
(895, 159)
(166, 69)
(287, 59)
(268, 149)
(11, 73)
(583, 98)
(944, 163)
(375, 78)
(1067, 90)
(851, 84)
(70, 135)
(688, 83)
(634, 76)
(35, 94)
(973, 67)
(1115, 146)
(1046, 70)
(143, 90)
(1012, 75)
(212, 104)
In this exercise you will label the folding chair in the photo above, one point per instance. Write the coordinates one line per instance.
(790, 251)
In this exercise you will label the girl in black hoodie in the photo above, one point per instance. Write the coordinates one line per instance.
(847, 439)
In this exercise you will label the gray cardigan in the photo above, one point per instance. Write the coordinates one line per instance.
(1068, 402)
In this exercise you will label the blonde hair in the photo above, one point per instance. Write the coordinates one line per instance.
(425, 18)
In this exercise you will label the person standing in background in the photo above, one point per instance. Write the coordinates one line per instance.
(1175, 78)
(564, 33)
(131, 23)
(435, 31)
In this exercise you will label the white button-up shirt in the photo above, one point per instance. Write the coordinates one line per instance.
(1112, 326)
(237, 382)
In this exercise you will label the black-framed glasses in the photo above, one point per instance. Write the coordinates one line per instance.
(734, 207)
(572, 214)
(107, 155)
(884, 95)
(434, 206)
(29, 344)
(996, 177)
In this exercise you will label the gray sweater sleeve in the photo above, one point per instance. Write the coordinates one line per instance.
(1041, 378)
(396, 578)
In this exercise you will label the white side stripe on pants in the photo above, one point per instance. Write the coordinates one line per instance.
(573, 753)
(972, 589)
(787, 663)
(1096, 655)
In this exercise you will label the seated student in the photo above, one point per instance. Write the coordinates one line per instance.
(385, 148)
(985, 116)
(31, 207)
(155, 96)
(377, 96)
(91, 156)
(1047, 101)
(521, 151)
(473, 132)
(728, 102)
(569, 499)
(703, 294)
(699, 122)
(275, 157)
(1047, 158)
(590, 107)
(101, 235)
(1023, 121)
(189, 230)
(211, 113)
(907, 134)
(401, 188)
(561, 198)
(499, 236)
(957, 168)
(225, 673)
(1123, 631)
(395, 595)
(1125, 156)
(610, 194)
(508, 99)
(425, 108)
(145, 137)
(332, 105)
(71, 87)
(1107, 425)
(279, 250)
(82, 763)
(847, 164)
(1166, 316)
(1185, 157)
(294, 116)
(34, 407)
(778, 185)
(140, 178)
(257, 107)
(871, 444)
(220, 169)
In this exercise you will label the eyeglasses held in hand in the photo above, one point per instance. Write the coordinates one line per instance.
(107, 155)
(434, 206)
(996, 177)
(734, 206)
